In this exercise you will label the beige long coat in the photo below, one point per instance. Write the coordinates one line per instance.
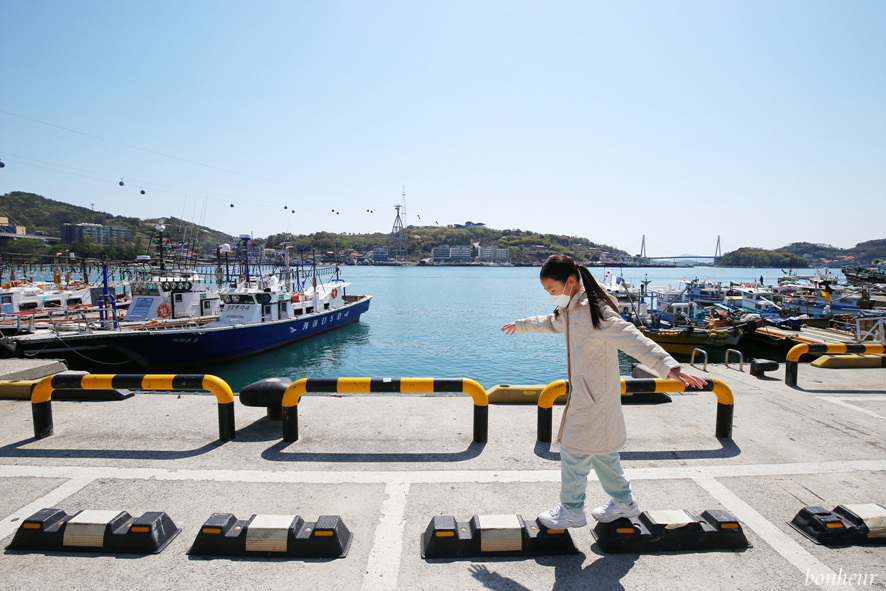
(592, 421)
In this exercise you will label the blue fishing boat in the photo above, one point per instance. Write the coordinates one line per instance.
(259, 312)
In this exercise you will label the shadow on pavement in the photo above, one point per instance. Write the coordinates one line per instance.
(14, 450)
(275, 453)
(728, 449)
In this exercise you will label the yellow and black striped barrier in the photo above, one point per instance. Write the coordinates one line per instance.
(41, 396)
(390, 385)
(725, 401)
(793, 357)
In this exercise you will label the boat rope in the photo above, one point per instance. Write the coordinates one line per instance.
(80, 354)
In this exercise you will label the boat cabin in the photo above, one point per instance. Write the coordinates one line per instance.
(170, 297)
(756, 299)
(42, 298)
(265, 300)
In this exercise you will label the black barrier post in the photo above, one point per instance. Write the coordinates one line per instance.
(724, 420)
(226, 421)
(790, 373)
(290, 423)
(546, 399)
(42, 415)
(481, 423)
(545, 421)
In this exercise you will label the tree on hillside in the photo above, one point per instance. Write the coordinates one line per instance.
(759, 257)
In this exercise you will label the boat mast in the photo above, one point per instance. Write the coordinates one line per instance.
(245, 239)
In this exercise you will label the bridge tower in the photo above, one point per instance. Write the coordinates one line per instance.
(717, 251)
(642, 254)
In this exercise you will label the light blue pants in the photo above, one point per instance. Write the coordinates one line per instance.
(574, 470)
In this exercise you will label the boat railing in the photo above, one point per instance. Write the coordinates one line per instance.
(870, 329)
(845, 324)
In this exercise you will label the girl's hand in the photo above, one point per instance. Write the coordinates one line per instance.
(509, 328)
(686, 379)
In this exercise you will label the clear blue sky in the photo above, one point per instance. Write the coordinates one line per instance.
(763, 122)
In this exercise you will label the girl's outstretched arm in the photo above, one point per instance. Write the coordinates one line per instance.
(509, 328)
(684, 378)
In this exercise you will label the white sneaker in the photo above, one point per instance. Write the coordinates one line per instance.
(561, 517)
(615, 510)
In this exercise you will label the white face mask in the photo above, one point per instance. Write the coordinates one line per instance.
(562, 300)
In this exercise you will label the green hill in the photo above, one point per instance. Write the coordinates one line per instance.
(802, 254)
(41, 215)
(524, 246)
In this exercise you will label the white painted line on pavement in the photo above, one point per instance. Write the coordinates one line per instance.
(383, 565)
(842, 401)
(50, 499)
(789, 549)
(435, 476)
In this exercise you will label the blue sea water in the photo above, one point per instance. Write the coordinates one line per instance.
(445, 322)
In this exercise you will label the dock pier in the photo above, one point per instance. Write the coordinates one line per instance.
(387, 464)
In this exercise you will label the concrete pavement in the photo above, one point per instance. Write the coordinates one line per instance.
(388, 464)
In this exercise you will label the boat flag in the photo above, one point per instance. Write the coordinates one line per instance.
(826, 295)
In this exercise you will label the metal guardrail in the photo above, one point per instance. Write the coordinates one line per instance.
(725, 401)
(793, 357)
(703, 352)
(392, 385)
(41, 396)
(740, 358)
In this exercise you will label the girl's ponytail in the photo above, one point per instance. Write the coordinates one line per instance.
(560, 267)
(597, 296)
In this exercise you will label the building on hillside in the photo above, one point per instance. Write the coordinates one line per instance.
(460, 254)
(493, 254)
(379, 253)
(440, 254)
(97, 232)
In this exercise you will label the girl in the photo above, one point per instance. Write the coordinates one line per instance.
(592, 429)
